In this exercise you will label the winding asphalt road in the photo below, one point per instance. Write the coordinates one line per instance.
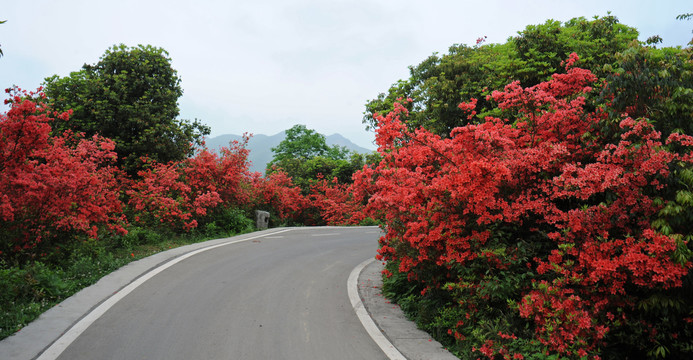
(292, 293)
(281, 296)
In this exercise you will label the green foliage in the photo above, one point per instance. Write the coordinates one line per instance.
(129, 96)
(435, 311)
(398, 289)
(305, 157)
(687, 16)
(302, 143)
(440, 83)
(36, 282)
(543, 48)
(26, 292)
(652, 83)
(229, 221)
(676, 217)
(139, 236)
(305, 172)
(369, 221)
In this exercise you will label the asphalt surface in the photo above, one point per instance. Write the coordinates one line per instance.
(275, 294)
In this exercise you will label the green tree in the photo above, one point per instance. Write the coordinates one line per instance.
(302, 143)
(440, 83)
(305, 156)
(652, 83)
(130, 96)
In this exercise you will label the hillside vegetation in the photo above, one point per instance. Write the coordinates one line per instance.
(535, 195)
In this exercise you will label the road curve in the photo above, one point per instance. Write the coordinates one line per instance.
(281, 296)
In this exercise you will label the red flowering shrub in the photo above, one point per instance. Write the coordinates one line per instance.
(161, 196)
(225, 173)
(52, 187)
(197, 189)
(536, 221)
(337, 204)
(277, 194)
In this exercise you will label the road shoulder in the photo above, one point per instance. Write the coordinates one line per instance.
(413, 343)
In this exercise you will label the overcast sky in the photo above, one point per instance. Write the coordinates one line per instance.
(262, 66)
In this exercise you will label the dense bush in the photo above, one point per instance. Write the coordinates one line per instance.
(338, 203)
(57, 191)
(29, 290)
(277, 194)
(53, 189)
(532, 236)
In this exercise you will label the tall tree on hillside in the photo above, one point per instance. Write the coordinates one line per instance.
(130, 96)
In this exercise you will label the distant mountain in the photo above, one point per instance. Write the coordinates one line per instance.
(260, 146)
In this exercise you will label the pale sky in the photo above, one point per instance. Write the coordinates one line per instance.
(262, 66)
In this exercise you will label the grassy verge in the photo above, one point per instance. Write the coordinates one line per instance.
(29, 290)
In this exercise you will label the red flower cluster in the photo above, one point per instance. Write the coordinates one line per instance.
(52, 186)
(338, 204)
(277, 192)
(56, 188)
(161, 195)
(587, 204)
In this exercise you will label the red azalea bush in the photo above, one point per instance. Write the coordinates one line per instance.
(337, 203)
(161, 197)
(277, 194)
(225, 173)
(53, 188)
(534, 232)
(203, 188)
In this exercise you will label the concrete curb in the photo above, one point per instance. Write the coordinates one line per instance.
(366, 320)
(411, 342)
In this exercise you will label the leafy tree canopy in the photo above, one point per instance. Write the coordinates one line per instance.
(440, 83)
(130, 96)
(305, 156)
(651, 83)
(302, 143)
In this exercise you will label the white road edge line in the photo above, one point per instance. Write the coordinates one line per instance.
(57, 348)
(352, 287)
